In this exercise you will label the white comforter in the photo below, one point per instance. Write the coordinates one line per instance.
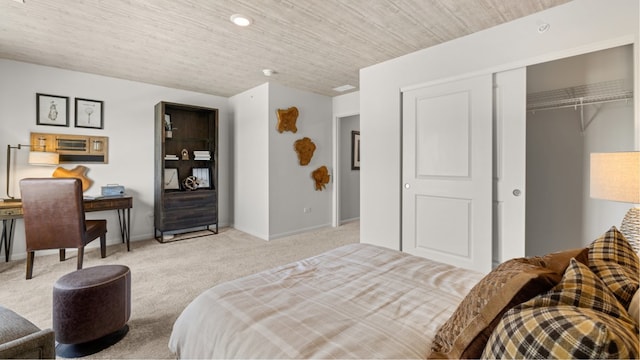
(357, 301)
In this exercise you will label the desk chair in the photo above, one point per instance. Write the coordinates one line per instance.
(53, 211)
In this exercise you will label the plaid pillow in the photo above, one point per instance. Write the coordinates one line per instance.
(612, 258)
(579, 318)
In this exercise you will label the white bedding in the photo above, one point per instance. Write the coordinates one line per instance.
(356, 301)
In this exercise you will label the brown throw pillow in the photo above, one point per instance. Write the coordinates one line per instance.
(513, 282)
(614, 261)
(580, 318)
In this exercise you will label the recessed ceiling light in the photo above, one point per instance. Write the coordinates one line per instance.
(241, 20)
(344, 88)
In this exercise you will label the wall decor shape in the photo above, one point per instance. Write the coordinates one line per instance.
(89, 114)
(52, 110)
(321, 177)
(304, 148)
(287, 119)
(79, 172)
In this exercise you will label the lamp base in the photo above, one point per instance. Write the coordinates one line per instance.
(11, 200)
(630, 227)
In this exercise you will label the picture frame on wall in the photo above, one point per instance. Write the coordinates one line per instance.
(355, 150)
(52, 110)
(89, 113)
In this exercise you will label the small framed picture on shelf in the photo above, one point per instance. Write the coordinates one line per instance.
(52, 110)
(202, 177)
(89, 114)
(171, 180)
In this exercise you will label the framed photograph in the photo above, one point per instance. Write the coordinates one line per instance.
(171, 180)
(89, 114)
(202, 177)
(52, 110)
(355, 150)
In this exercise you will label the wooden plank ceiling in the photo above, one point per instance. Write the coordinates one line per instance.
(313, 45)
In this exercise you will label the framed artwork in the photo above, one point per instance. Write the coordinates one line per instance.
(52, 110)
(89, 114)
(355, 150)
(171, 180)
(202, 177)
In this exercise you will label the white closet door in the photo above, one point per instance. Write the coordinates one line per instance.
(510, 164)
(447, 172)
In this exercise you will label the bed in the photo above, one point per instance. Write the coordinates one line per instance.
(357, 301)
(363, 301)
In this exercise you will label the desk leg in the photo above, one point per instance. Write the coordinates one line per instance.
(8, 225)
(125, 225)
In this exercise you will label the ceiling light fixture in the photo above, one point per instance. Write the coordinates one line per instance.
(344, 88)
(268, 72)
(241, 20)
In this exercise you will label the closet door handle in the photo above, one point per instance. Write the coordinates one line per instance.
(516, 192)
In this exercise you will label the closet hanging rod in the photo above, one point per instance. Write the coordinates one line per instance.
(575, 103)
(574, 96)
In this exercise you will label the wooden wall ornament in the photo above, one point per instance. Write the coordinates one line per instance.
(321, 177)
(79, 172)
(304, 148)
(287, 119)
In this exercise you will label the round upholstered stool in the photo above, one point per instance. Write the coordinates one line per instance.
(91, 308)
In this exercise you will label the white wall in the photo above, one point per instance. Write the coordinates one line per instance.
(128, 122)
(251, 160)
(271, 188)
(576, 27)
(291, 186)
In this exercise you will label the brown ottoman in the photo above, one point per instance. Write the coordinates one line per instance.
(91, 308)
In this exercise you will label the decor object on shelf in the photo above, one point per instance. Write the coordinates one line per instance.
(79, 172)
(52, 110)
(89, 113)
(171, 180)
(304, 148)
(35, 158)
(190, 182)
(185, 154)
(287, 119)
(202, 177)
(321, 177)
(616, 177)
(355, 150)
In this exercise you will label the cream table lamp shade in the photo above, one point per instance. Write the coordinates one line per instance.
(616, 176)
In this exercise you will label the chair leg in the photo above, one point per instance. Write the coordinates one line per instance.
(30, 257)
(62, 255)
(103, 246)
(80, 256)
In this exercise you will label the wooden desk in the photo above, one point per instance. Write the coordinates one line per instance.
(10, 211)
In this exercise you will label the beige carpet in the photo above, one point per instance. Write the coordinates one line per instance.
(165, 278)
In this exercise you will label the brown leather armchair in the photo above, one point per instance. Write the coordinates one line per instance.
(53, 210)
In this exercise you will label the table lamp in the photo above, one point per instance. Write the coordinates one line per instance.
(35, 158)
(616, 176)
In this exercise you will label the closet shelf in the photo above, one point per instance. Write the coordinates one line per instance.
(606, 91)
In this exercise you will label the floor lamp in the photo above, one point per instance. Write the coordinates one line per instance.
(616, 176)
(35, 158)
